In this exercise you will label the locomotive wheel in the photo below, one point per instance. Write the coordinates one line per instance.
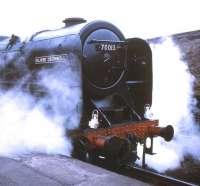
(119, 153)
(82, 150)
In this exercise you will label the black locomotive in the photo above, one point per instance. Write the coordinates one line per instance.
(114, 75)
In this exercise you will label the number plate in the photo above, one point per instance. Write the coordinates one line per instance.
(106, 47)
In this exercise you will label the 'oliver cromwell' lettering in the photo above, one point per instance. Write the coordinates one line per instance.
(62, 58)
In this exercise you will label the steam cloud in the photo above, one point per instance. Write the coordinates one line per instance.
(37, 124)
(173, 103)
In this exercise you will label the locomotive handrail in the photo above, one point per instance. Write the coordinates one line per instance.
(95, 41)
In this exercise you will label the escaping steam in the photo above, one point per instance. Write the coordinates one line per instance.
(37, 124)
(173, 103)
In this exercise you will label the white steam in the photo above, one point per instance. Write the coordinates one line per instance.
(172, 105)
(30, 124)
(63, 84)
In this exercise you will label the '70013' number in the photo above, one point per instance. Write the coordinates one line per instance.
(107, 47)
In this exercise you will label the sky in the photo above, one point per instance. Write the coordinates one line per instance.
(135, 18)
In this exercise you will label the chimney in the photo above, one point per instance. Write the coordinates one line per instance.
(73, 21)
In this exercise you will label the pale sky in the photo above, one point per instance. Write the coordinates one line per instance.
(135, 18)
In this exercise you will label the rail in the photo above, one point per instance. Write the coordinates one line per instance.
(153, 178)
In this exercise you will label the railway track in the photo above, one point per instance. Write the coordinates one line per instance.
(153, 178)
(146, 175)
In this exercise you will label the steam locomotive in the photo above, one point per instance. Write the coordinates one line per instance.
(114, 75)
